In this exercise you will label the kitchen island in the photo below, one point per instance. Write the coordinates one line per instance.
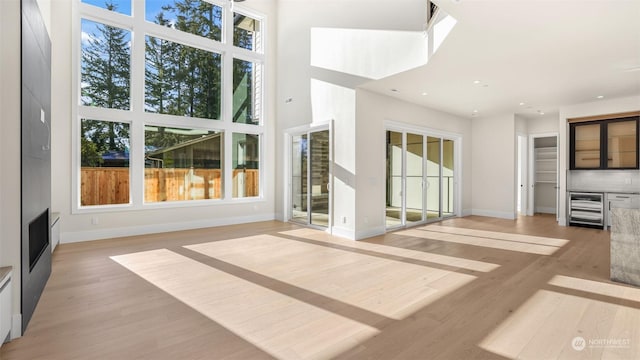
(625, 246)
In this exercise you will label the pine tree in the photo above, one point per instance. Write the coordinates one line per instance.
(106, 67)
(105, 81)
(197, 73)
(159, 70)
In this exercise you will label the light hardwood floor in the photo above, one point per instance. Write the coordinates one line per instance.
(460, 289)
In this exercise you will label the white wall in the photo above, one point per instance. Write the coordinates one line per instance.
(543, 124)
(10, 86)
(600, 107)
(372, 111)
(79, 227)
(494, 166)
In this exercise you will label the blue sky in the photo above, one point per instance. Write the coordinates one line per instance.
(124, 6)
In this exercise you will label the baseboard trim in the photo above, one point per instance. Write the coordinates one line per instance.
(493, 214)
(16, 326)
(344, 233)
(546, 210)
(467, 212)
(367, 233)
(92, 235)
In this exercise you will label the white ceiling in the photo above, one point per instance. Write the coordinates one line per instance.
(544, 53)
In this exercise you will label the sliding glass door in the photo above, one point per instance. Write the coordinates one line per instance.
(448, 176)
(434, 177)
(420, 178)
(310, 178)
(415, 178)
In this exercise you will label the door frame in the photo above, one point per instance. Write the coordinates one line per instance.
(532, 175)
(288, 172)
(522, 188)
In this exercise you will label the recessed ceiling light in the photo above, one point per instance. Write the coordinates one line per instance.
(395, 90)
(475, 111)
(541, 112)
(521, 104)
(425, 93)
(476, 82)
(600, 96)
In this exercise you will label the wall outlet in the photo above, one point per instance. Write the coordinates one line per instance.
(42, 115)
(627, 181)
(94, 220)
(366, 220)
(344, 219)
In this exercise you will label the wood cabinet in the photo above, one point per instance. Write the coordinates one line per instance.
(604, 144)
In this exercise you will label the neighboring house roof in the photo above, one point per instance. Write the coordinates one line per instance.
(115, 155)
(184, 144)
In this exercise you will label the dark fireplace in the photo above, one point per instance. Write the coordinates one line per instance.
(38, 238)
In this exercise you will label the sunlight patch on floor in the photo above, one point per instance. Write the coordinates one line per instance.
(390, 288)
(553, 325)
(596, 287)
(481, 238)
(452, 261)
(280, 325)
(525, 239)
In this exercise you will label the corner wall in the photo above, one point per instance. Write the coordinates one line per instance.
(372, 111)
(312, 92)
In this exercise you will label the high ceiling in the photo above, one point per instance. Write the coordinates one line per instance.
(544, 54)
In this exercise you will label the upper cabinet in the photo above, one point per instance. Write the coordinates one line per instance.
(604, 144)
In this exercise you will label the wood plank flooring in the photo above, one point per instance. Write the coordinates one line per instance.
(467, 288)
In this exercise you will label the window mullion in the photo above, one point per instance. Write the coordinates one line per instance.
(227, 99)
(136, 157)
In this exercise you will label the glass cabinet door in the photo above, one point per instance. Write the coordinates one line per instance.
(622, 140)
(587, 146)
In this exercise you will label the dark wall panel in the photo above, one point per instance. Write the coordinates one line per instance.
(35, 151)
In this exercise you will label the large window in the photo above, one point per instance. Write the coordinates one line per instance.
(104, 154)
(182, 80)
(168, 92)
(246, 161)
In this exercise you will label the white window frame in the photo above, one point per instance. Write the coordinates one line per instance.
(137, 117)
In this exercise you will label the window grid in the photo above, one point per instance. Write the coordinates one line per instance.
(138, 118)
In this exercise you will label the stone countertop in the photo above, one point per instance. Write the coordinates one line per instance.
(4, 271)
(625, 246)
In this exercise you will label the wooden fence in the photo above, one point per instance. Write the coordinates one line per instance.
(105, 186)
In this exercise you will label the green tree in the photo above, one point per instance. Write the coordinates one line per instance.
(195, 74)
(159, 70)
(106, 68)
(105, 78)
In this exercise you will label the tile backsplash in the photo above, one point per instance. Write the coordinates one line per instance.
(624, 181)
